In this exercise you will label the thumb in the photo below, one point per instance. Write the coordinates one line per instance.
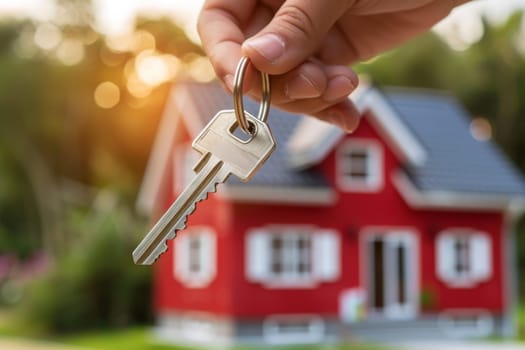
(294, 34)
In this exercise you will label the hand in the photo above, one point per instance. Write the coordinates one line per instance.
(307, 45)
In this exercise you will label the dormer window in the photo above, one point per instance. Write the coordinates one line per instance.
(359, 166)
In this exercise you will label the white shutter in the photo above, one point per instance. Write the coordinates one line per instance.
(208, 257)
(181, 258)
(445, 257)
(257, 255)
(326, 255)
(480, 257)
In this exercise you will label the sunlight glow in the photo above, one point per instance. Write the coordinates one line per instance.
(142, 41)
(136, 87)
(47, 36)
(154, 69)
(107, 95)
(70, 52)
(201, 69)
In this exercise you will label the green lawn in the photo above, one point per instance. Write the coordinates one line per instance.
(141, 339)
(520, 314)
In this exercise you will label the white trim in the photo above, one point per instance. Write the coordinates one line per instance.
(305, 196)
(412, 273)
(451, 323)
(207, 257)
(322, 137)
(304, 147)
(385, 118)
(453, 200)
(293, 329)
(374, 166)
(179, 106)
(159, 156)
(258, 256)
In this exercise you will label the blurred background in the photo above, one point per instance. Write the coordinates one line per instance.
(82, 87)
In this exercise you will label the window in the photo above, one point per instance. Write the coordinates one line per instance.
(195, 257)
(464, 257)
(359, 165)
(292, 257)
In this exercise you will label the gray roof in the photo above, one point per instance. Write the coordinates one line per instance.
(455, 160)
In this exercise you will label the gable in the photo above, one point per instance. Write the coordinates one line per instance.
(427, 132)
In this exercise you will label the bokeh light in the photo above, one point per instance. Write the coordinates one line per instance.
(481, 129)
(154, 69)
(47, 36)
(70, 52)
(107, 95)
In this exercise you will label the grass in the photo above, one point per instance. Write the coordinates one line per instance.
(138, 338)
(129, 339)
(520, 315)
(141, 339)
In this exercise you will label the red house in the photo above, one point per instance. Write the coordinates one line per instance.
(401, 229)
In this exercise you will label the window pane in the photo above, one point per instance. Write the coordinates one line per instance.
(195, 254)
(401, 274)
(291, 255)
(378, 274)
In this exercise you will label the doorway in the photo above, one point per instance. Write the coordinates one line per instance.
(392, 285)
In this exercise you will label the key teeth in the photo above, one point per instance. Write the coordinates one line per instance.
(212, 187)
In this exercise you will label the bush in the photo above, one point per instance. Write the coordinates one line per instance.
(96, 285)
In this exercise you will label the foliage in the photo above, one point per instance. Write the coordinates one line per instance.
(95, 284)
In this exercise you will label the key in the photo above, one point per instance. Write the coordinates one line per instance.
(223, 154)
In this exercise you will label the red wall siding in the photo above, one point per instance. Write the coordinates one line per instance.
(231, 293)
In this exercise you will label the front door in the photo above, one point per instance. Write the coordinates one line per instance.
(391, 274)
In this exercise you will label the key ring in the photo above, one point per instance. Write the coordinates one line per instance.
(237, 97)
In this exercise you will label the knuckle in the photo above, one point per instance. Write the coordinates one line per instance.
(297, 20)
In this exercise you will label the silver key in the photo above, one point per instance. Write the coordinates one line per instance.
(223, 154)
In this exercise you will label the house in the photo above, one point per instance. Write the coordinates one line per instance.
(401, 229)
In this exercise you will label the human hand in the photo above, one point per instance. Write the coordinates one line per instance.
(307, 45)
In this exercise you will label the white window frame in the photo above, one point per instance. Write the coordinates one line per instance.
(291, 256)
(478, 258)
(373, 182)
(323, 260)
(207, 257)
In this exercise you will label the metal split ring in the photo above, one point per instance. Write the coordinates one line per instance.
(237, 97)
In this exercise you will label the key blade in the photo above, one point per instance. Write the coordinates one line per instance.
(210, 173)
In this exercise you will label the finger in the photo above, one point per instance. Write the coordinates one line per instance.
(293, 35)
(343, 114)
(220, 28)
(368, 7)
(307, 81)
(312, 80)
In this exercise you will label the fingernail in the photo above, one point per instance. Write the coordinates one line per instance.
(270, 46)
(338, 88)
(339, 120)
(301, 87)
(228, 80)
